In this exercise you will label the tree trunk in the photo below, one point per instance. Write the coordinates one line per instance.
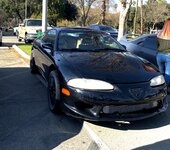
(103, 12)
(141, 17)
(125, 4)
(134, 21)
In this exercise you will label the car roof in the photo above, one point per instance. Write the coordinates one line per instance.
(75, 28)
(143, 36)
(32, 19)
(100, 25)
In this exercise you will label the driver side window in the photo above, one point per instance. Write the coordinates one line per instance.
(50, 37)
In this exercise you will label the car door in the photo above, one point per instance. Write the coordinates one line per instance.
(45, 54)
(146, 48)
(23, 29)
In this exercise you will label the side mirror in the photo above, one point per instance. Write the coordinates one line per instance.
(124, 46)
(47, 46)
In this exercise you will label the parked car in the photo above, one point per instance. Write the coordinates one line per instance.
(112, 31)
(0, 36)
(91, 76)
(145, 46)
(29, 30)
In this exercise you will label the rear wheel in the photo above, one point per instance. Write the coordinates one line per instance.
(27, 41)
(19, 39)
(33, 66)
(54, 94)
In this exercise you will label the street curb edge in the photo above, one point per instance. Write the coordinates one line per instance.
(23, 54)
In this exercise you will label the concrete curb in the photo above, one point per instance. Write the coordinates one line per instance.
(4, 47)
(19, 51)
(97, 143)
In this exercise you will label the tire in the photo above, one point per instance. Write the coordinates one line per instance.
(0, 43)
(33, 66)
(54, 92)
(27, 41)
(19, 39)
(17, 34)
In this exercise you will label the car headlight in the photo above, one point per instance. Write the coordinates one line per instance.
(159, 80)
(89, 84)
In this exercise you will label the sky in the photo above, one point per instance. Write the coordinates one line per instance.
(116, 1)
(112, 2)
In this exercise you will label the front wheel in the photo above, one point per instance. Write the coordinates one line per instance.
(54, 93)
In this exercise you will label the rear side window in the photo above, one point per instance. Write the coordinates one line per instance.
(149, 42)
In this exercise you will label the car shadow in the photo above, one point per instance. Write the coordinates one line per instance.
(164, 145)
(157, 121)
(25, 119)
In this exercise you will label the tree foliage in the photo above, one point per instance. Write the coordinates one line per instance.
(84, 7)
(57, 9)
(155, 12)
(61, 9)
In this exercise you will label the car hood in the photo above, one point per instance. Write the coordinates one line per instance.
(113, 67)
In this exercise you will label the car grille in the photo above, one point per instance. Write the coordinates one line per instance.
(129, 108)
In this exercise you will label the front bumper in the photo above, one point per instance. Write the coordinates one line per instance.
(117, 105)
(31, 36)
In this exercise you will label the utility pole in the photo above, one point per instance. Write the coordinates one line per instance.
(44, 15)
(141, 17)
(26, 3)
(103, 12)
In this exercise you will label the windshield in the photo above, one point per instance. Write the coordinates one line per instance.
(87, 41)
(34, 23)
(107, 28)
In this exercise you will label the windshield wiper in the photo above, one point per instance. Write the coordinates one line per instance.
(93, 50)
(110, 49)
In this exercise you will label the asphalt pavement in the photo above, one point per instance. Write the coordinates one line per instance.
(26, 122)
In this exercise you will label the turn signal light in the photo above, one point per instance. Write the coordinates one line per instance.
(65, 92)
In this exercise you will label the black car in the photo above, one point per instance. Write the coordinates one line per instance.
(91, 76)
(109, 29)
(145, 46)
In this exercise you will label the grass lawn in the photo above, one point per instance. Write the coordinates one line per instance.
(26, 48)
